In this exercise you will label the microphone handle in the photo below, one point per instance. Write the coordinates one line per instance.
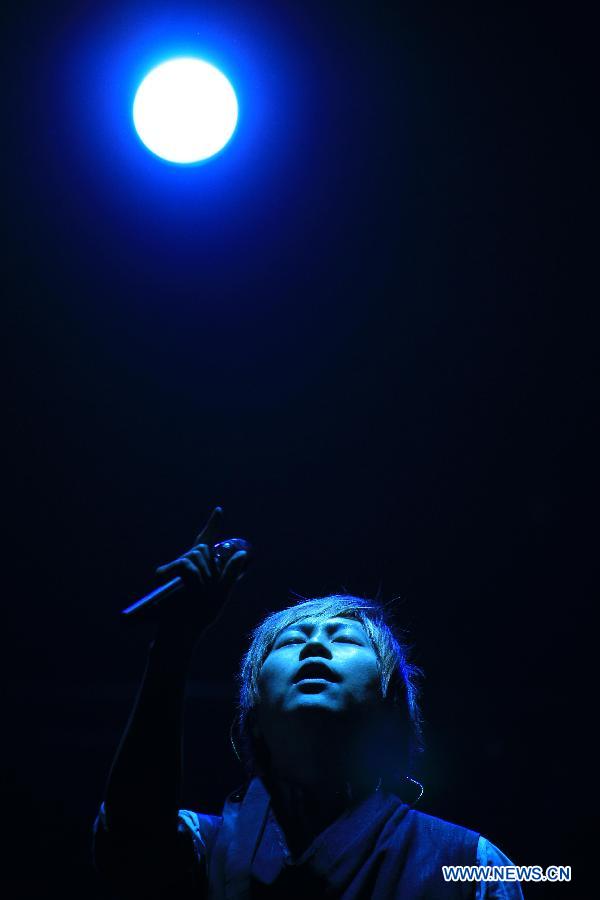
(151, 600)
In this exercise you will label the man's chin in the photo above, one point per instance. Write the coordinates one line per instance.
(307, 707)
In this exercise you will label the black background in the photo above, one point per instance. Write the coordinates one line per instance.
(363, 329)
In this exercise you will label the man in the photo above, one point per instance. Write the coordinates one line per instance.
(328, 718)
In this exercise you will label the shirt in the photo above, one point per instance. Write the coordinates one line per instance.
(360, 855)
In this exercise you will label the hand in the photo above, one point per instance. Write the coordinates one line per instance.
(208, 582)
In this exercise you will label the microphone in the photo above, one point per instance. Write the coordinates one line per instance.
(222, 552)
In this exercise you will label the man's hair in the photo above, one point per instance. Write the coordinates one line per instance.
(398, 676)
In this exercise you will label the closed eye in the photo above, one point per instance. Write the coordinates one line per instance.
(340, 639)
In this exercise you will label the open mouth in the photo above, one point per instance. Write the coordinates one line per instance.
(315, 671)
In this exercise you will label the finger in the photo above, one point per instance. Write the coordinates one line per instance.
(210, 560)
(199, 559)
(166, 572)
(209, 533)
(183, 568)
(190, 572)
(234, 569)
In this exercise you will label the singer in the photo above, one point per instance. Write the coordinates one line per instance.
(328, 719)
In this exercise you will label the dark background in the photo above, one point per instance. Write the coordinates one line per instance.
(363, 329)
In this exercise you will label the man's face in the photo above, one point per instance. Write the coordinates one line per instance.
(328, 666)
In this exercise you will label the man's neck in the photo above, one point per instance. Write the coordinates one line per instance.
(317, 771)
(304, 810)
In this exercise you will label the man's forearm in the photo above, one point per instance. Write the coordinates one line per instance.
(144, 784)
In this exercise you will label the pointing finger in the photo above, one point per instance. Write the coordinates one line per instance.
(209, 533)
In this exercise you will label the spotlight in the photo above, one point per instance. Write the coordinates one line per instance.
(185, 110)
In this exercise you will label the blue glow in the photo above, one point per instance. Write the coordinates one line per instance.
(185, 110)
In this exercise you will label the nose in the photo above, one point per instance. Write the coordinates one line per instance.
(316, 645)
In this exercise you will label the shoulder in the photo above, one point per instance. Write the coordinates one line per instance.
(436, 827)
(201, 827)
(138, 860)
(430, 839)
(490, 855)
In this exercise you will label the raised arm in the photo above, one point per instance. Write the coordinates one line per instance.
(137, 831)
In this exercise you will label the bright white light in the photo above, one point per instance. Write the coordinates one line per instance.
(185, 110)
